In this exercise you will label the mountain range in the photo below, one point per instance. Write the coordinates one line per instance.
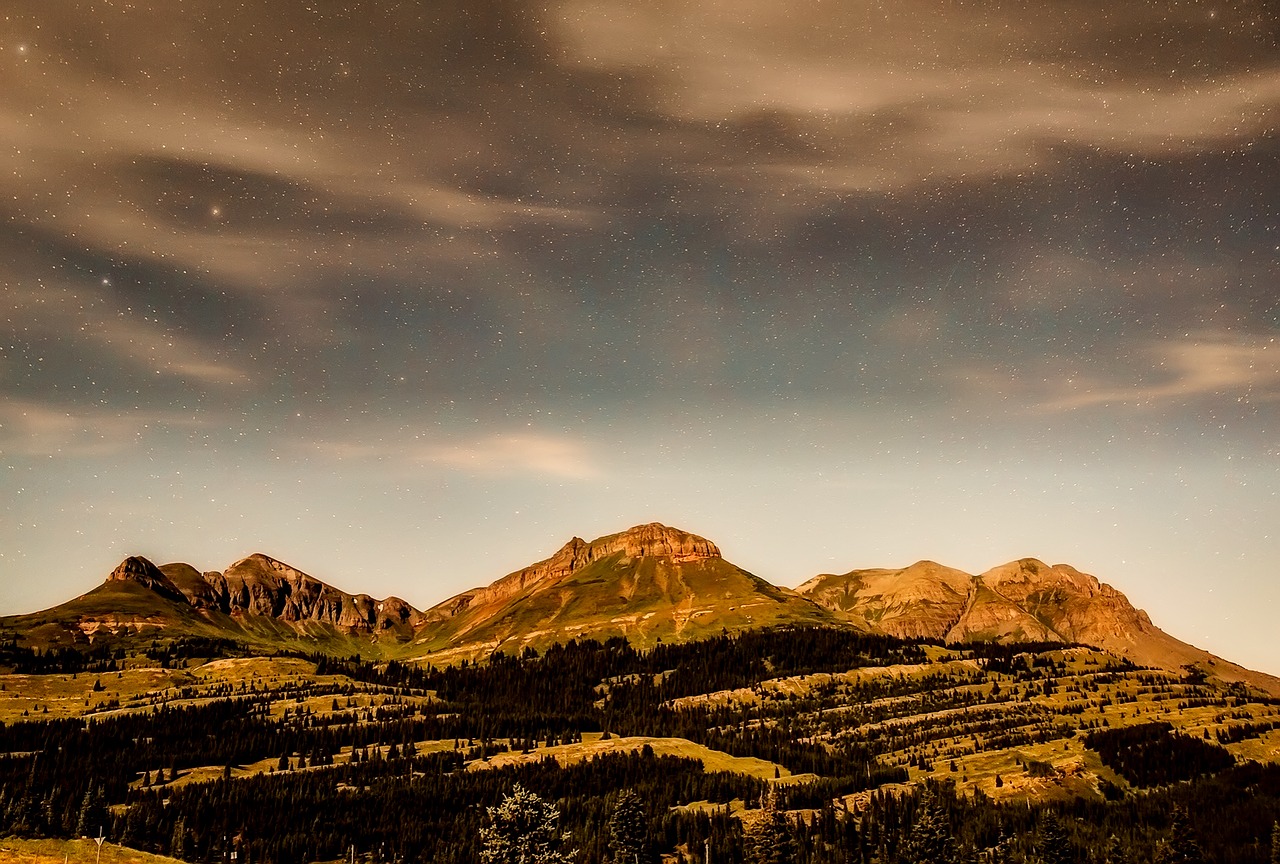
(649, 584)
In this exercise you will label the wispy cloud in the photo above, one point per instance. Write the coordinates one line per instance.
(491, 455)
(1240, 368)
(882, 96)
(35, 429)
(97, 323)
(539, 454)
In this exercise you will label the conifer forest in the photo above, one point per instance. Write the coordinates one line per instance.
(830, 747)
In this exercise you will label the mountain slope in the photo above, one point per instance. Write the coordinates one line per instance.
(921, 601)
(646, 584)
(1024, 600)
(257, 600)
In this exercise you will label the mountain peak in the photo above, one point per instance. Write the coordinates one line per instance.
(1019, 578)
(655, 540)
(651, 540)
(140, 571)
(135, 568)
(647, 583)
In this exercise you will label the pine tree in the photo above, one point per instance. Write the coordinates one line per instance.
(931, 840)
(1001, 853)
(1181, 847)
(1275, 843)
(523, 829)
(1052, 845)
(628, 831)
(178, 844)
(93, 812)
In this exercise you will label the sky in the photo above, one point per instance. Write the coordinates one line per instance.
(407, 294)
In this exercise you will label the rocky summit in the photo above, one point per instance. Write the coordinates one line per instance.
(1024, 600)
(646, 584)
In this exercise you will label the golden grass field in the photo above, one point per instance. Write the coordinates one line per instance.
(73, 852)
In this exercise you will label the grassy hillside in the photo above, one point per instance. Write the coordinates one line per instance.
(645, 600)
(372, 750)
(17, 850)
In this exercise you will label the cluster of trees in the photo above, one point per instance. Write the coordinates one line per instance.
(351, 777)
(20, 660)
(934, 827)
(1153, 754)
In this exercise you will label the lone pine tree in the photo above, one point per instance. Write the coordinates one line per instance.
(1052, 845)
(523, 829)
(931, 840)
(628, 831)
(1181, 847)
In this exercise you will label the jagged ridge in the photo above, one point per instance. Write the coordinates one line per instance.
(262, 586)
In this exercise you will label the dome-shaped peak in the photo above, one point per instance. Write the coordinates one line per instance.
(263, 563)
(1032, 574)
(263, 559)
(135, 568)
(142, 572)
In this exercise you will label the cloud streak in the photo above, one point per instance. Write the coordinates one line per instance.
(38, 429)
(555, 457)
(1247, 370)
(80, 322)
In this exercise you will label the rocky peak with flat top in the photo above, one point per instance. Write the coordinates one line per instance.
(652, 540)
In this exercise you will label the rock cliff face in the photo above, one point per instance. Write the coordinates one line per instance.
(648, 583)
(142, 572)
(1022, 600)
(1068, 604)
(262, 586)
(652, 540)
(1016, 602)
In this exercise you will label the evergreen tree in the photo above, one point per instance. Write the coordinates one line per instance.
(93, 812)
(1052, 845)
(178, 844)
(931, 840)
(1275, 843)
(1001, 853)
(1181, 847)
(770, 840)
(523, 829)
(628, 831)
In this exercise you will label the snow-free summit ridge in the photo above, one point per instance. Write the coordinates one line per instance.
(647, 584)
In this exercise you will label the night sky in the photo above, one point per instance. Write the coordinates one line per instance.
(407, 294)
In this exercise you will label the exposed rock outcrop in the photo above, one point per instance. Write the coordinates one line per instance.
(652, 540)
(262, 586)
(647, 584)
(140, 571)
(1024, 600)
